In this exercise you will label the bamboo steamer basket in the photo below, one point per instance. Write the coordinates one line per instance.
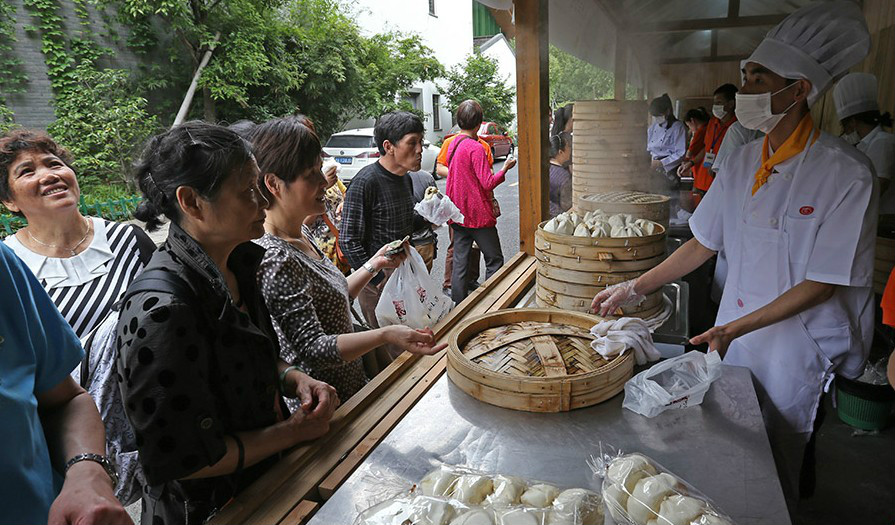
(572, 270)
(641, 205)
(609, 147)
(536, 360)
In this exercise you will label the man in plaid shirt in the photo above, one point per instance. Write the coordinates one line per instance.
(379, 202)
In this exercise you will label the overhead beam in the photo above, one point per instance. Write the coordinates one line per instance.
(701, 60)
(733, 8)
(705, 24)
(533, 114)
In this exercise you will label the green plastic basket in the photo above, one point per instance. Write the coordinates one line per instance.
(862, 405)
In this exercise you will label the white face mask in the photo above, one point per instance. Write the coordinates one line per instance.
(754, 111)
(852, 138)
(718, 111)
(657, 120)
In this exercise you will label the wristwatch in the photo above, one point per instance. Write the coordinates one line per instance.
(102, 460)
(369, 268)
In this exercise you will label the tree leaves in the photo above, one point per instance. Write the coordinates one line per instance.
(479, 79)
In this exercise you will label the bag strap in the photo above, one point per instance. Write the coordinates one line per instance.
(85, 363)
(457, 142)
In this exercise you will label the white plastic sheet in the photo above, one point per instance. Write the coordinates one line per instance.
(676, 383)
(439, 209)
(412, 297)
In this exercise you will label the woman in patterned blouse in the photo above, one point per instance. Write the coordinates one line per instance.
(308, 297)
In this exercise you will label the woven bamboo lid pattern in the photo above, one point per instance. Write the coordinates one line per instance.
(534, 359)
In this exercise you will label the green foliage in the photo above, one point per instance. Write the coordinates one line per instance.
(573, 79)
(7, 119)
(53, 42)
(478, 78)
(13, 76)
(102, 121)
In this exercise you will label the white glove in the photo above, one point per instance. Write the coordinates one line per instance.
(615, 296)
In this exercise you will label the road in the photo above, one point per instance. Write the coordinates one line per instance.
(507, 194)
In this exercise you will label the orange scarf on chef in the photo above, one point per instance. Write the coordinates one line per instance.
(792, 146)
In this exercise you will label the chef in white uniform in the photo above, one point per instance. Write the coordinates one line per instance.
(862, 125)
(796, 215)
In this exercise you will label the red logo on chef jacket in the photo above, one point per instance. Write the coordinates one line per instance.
(806, 210)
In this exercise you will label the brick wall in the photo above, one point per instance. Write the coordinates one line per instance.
(33, 107)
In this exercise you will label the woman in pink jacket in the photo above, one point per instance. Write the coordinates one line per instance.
(470, 185)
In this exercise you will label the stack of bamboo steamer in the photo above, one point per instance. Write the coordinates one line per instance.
(609, 147)
(572, 270)
(537, 360)
(641, 205)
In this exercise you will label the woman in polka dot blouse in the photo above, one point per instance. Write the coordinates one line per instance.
(199, 371)
(308, 297)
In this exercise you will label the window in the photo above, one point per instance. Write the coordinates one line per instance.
(436, 112)
(432, 8)
(350, 141)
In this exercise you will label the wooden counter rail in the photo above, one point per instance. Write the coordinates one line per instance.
(315, 469)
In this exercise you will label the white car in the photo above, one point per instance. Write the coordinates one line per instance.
(355, 148)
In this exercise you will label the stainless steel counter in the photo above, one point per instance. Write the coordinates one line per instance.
(720, 447)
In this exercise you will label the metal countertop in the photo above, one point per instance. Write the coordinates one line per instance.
(720, 447)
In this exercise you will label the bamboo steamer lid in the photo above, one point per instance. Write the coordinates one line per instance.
(639, 204)
(536, 360)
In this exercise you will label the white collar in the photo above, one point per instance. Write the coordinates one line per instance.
(869, 137)
(70, 271)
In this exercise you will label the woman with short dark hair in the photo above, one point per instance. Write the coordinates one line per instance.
(308, 297)
(470, 186)
(560, 177)
(199, 365)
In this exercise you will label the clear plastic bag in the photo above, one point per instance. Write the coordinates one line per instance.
(438, 209)
(452, 495)
(639, 491)
(412, 297)
(678, 382)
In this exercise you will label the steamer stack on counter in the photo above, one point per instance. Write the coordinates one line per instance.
(609, 147)
(611, 171)
(572, 270)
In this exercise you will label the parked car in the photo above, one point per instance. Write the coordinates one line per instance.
(496, 137)
(356, 148)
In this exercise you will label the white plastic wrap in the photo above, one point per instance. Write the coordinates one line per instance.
(639, 491)
(450, 495)
(678, 382)
(412, 297)
(438, 209)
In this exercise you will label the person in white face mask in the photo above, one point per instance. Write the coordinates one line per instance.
(666, 138)
(797, 305)
(855, 97)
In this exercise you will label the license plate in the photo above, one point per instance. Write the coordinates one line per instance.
(343, 160)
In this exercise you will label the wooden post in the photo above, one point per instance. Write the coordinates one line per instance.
(621, 66)
(533, 114)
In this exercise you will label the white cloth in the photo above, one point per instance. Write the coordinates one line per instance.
(614, 337)
(879, 146)
(818, 42)
(667, 143)
(855, 93)
(70, 271)
(808, 222)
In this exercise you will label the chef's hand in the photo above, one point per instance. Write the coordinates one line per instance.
(615, 296)
(318, 399)
(718, 339)
(656, 164)
(684, 168)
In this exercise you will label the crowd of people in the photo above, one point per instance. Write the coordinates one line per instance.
(177, 375)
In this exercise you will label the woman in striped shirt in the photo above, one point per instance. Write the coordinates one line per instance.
(84, 264)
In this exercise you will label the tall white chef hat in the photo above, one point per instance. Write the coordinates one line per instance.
(818, 42)
(855, 93)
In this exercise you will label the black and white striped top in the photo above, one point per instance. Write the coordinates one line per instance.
(85, 287)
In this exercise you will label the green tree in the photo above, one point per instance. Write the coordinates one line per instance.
(574, 79)
(103, 122)
(478, 78)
